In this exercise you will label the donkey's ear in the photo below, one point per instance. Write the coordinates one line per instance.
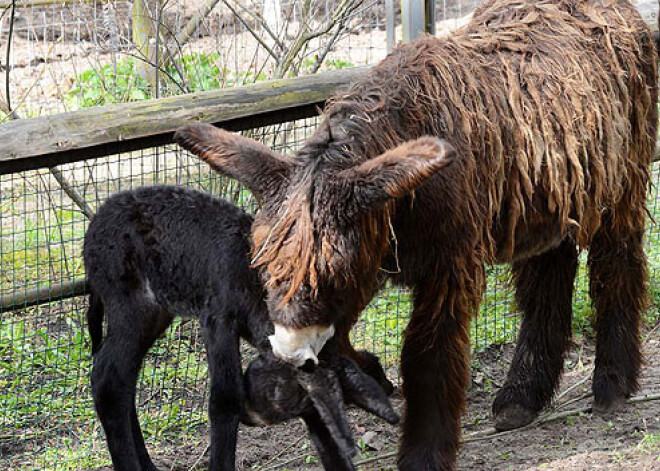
(396, 172)
(260, 169)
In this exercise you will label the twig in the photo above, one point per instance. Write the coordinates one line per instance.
(492, 433)
(263, 23)
(85, 208)
(373, 459)
(282, 452)
(199, 458)
(251, 30)
(281, 464)
(571, 401)
(574, 386)
(341, 14)
(331, 42)
(8, 65)
(186, 33)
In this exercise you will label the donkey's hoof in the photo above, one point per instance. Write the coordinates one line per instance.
(513, 416)
(609, 404)
(609, 394)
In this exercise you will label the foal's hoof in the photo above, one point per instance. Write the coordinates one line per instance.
(370, 364)
(513, 416)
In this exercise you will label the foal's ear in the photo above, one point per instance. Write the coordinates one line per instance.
(260, 169)
(396, 172)
(363, 391)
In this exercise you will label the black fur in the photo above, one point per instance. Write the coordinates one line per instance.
(155, 253)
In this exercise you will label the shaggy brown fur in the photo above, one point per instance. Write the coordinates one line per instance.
(551, 109)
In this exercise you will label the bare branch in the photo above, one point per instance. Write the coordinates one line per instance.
(252, 31)
(186, 33)
(8, 69)
(263, 23)
(339, 16)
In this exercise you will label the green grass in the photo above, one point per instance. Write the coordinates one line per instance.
(650, 443)
(44, 351)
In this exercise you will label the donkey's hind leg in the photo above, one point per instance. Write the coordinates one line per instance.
(114, 375)
(618, 288)
(544, 292)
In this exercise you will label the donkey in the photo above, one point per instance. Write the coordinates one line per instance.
(157, 252)
(522, 138)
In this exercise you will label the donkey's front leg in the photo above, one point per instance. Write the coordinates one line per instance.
(435, 370)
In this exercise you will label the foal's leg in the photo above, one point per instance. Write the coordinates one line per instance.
(367, 361)
(226, 395)
(435, 370)
(544, 292)
(114, 375)
(618, 287)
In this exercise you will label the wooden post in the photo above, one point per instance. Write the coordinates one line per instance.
(145, 16)
(417, 17)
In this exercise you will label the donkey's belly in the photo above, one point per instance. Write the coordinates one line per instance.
(532, 238)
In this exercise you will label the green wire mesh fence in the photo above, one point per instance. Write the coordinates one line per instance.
(46, 416)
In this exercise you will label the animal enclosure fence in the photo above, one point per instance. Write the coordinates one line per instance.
(72, 163)
(64, 55)
(47, 415)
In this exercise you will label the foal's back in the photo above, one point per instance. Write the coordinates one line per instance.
(172, 248)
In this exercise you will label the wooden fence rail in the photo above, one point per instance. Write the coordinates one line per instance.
(52, 140)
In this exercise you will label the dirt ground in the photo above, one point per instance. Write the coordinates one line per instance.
(581, 442)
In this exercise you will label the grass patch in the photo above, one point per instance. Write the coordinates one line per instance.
(650, 443)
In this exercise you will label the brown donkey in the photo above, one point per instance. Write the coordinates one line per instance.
(544, 120)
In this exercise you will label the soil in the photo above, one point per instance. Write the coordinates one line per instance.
(582, 442)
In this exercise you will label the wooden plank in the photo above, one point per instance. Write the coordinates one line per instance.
(156, 120)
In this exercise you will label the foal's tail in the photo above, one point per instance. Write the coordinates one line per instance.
(95, 321)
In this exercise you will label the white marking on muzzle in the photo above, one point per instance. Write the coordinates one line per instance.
(296, 346)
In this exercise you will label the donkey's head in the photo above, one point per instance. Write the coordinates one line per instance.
(323, 225)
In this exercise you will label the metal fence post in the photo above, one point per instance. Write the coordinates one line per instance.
(389, 25)
(417, 18)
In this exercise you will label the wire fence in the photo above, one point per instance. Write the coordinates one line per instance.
(67, 56)
(47, 419)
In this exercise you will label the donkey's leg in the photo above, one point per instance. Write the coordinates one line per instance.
(367, 361)
(435, 370)
(226, 392)
(544, 293)
(618, 287)
(114, 376)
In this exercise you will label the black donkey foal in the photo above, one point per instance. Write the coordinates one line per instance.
(157, 252)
